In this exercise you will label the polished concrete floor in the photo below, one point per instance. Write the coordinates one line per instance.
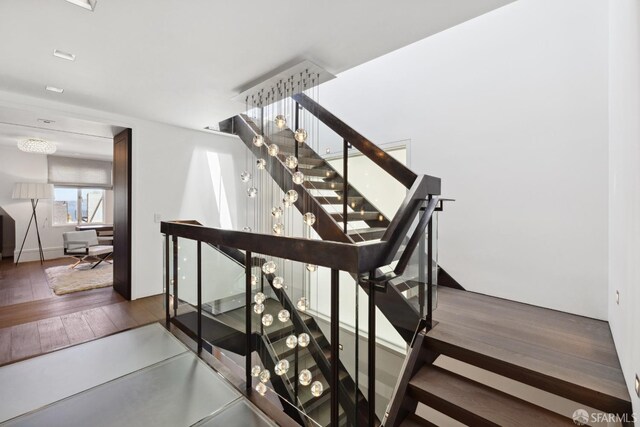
(140, 377)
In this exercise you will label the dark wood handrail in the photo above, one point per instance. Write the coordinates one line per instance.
(341, 256)
(380, 157)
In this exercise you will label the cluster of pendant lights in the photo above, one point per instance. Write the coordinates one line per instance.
(270, 267)
(291, 196)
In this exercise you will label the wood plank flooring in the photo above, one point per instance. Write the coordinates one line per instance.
(33, 320)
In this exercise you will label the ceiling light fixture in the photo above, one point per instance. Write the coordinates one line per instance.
(37, 145)
(54, 89)
(46, 121)
(85, 4)
(64, 55)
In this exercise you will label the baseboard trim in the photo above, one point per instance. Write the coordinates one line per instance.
(33, 254)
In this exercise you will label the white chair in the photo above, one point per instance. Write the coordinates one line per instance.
(84, 247)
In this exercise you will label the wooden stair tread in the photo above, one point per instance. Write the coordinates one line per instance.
(359, 216)
(364, 234)
(335, 200)
(311, 161)
(320, 172)
(414, 420)
(323, 185)
(473, 403)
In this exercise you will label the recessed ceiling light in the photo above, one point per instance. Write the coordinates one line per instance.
(64, 55)
(54, 89)
(46, 121)
(85, 4)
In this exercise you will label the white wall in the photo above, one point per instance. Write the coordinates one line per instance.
(178, 173)
(624, 185)
(510, 110)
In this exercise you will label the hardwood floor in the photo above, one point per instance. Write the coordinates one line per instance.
(33, 320)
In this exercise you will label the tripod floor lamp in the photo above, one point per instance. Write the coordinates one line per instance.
(33, 191)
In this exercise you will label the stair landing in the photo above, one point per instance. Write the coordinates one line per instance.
(565, 354)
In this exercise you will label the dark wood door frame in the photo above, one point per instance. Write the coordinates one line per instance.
(122, 174)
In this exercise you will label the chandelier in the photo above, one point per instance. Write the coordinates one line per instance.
(37, 145)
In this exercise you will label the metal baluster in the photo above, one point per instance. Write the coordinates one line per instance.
(345, 185)
(175, 276)
(372, 351)
(199, 296)
(335, 342)
(430, 272)
(167, 280)
(247, 314)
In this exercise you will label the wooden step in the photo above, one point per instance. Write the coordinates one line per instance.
(365, 234)
(354, 202)
(359, 216)
(310, 161)
(564, 354)
(475, 404)
(414, 420)
(320, 172)
(323, 185)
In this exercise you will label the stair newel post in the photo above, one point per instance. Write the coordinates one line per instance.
(345, 189)
(296, 127)
(199, 246)
(421, 267)
(335, 343)
(247, 314)
(167, 280)
(175, 276)
(430, 272)
(371, 350)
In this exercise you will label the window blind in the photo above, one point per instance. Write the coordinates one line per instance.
(74, 172)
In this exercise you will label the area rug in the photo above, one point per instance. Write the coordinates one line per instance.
(63, 280)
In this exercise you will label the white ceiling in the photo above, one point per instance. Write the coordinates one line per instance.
(181, 62)
(73, 137)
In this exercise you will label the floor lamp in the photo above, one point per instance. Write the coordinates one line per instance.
(33, 191)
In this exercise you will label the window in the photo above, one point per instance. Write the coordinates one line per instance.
(78, 205)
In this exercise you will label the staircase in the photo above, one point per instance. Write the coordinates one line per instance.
(557, 354)
(460, 358)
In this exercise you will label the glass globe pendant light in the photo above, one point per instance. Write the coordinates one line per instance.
(298, 177)
(258, 308)
(252, 192)
(273, 150)
(265, 376)
(278, 228)
(269, 267)
(261, 388)
(283, 315)
(300, 135)
(255, 371)
(267, 320)
(278, 282)
(276, 212)
(302, 304)
(259, 298)
(280, 121)
(291, 162)
(292, 196)
(312, 267)
(258, 140)
(303, 340)
(282, 367)
(305, 377)
(317, 388)
(261, 164)
(245, 176)
(291, 341)
(309, 219)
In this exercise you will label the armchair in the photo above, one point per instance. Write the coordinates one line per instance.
(84, 247)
